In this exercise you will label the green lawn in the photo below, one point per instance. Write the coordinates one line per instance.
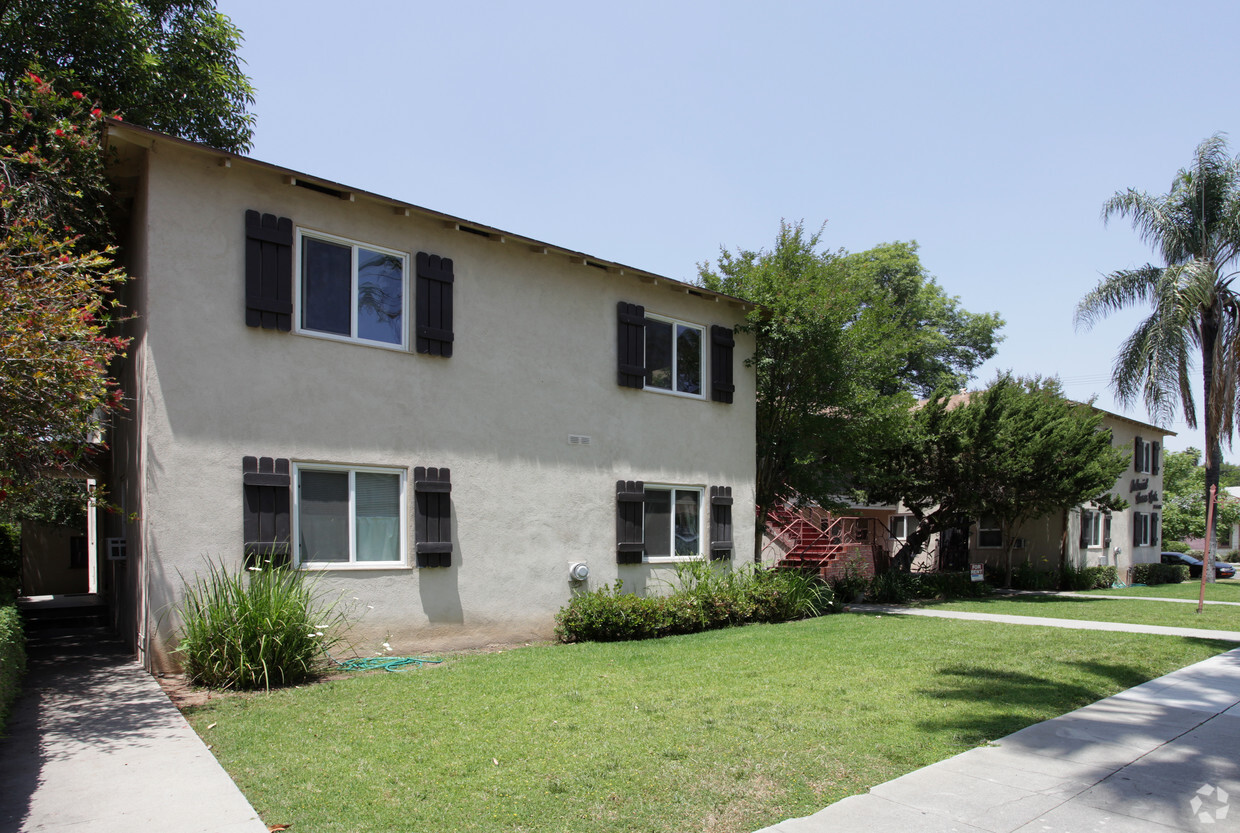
(724, 731)
(1133, 611)
(1220, 591)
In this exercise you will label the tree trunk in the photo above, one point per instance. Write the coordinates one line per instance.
(1213, 450)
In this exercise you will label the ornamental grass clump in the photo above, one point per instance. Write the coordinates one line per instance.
(256, 627)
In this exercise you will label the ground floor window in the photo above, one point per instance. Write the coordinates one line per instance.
(1091, 528)
(349, 515)
(900, 526)
(672, 521)
(989, 533)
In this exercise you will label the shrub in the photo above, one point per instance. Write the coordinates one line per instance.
(10, 551)
(1232, 557)
(952, 585)
(256, 628)
(1159, 573)
(704, 598)
(1087, 578)
(12, 659)
(855, 579)
(1176, 546)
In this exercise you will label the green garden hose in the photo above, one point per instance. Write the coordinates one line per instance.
(386, 663)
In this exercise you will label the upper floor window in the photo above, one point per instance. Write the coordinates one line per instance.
(1145, 456)
(674, 355)
(352, 291)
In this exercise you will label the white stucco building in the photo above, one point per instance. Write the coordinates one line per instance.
(435, 416)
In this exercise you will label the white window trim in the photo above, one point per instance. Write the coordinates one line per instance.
(351, 564)
(905, 519)
(998, 528)
(407, 289)
(704, 380)
(1142, 520)
(702, 513)
(1094, 518)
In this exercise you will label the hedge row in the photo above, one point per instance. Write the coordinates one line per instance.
(898, 588)
(1159, 573)
(704, 599)
(12, 659)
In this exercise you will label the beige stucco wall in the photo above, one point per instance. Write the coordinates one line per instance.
(534, 361)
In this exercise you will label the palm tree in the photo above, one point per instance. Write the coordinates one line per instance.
(1195, 227)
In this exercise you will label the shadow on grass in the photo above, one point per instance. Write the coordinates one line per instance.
(1011, 700)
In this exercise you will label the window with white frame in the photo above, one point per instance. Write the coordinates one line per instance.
(674, 355)
(1091, 528)
(1144, 528)
(989, 533)
(900, 525)
(346, 515)
(352, 291)
(672, 522)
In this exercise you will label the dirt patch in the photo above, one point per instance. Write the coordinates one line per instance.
(181, 693)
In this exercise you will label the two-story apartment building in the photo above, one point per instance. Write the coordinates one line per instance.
(438, 417)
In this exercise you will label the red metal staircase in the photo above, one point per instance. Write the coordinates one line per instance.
(819, 541)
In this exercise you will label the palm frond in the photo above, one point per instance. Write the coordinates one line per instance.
(1116, 291)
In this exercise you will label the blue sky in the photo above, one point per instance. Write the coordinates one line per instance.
(652, 134)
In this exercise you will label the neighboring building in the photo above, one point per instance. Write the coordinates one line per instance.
(1084, 536)
(436, 417)
(1088, 536)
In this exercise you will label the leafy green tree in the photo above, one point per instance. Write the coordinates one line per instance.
(170, 65)
(1184, 498)
(55, 303)
(1194, 309)
(939, 343)
(818, 366)
(1017, 451)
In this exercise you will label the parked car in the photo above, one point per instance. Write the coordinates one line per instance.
(1221, 568)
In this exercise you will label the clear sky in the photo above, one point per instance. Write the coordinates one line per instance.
(653, 133)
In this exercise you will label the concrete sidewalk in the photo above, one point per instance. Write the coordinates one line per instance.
(95, 746)
(1163, 756)
(1046, 622)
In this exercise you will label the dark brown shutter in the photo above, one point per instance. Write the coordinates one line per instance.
(721, 383)
(434, 302)
(1138, 455)
(1086, 516)
(268, 271)
(1153, 529)
(433, 517)
(720, 522)
(630, 504)
(1106, 531)
(1155, 448)
(1136, 528)
(631, 345)
(266, 527)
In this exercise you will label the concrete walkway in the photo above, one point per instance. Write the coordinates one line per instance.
(95, 746)
(1073, 595)
(1157, 758)
(1075, 624)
